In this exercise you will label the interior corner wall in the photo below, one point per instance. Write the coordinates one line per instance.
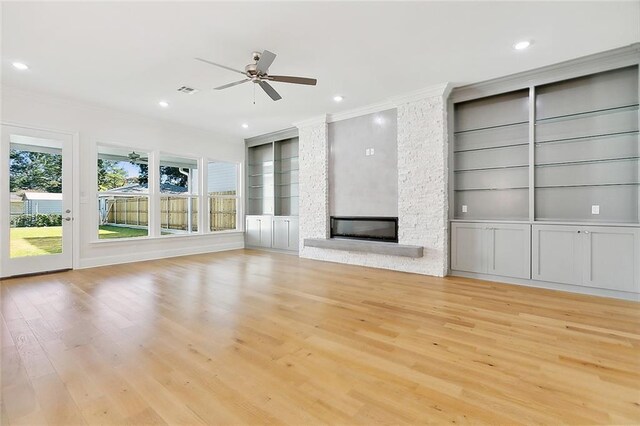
(422, 190)
(362, 184)
(95, 125)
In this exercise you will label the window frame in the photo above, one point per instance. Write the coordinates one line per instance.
(238, 195)
(147, 195)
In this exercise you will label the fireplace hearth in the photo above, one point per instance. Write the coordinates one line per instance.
(368, 228)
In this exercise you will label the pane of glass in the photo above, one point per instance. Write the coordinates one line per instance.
(122, 170)
(124, 173)
(223, 178)
(178, 215)
(178, 175)
(222, 214)
(35, 183)
(123, 216)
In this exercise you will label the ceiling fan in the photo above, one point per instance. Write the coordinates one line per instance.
(258, 72)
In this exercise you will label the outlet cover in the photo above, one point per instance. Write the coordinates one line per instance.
(372, 151)
(595, 209)
(367, 152)
(464, 209)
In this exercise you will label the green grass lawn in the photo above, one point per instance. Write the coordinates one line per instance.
(48, 240)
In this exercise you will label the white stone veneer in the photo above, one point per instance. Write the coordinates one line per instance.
(422, 189)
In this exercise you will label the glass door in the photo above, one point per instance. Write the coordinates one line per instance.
(36, 201)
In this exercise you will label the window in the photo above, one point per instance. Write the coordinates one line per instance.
(178, 179)
(222, 195)
(123, 193)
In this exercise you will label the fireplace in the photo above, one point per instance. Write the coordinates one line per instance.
(365, 228)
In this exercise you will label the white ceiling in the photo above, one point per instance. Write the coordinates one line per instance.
(129, 56)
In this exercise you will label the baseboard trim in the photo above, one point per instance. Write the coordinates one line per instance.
(158, 254)
(591, 291)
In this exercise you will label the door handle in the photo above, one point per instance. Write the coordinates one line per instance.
(67, 219)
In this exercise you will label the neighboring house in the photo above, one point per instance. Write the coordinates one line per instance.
(42, 203)
(17, 204)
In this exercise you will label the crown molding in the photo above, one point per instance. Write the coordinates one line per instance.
(437, 90)
(278, 135)
(357, 112)
(320, 119)
(585, 65)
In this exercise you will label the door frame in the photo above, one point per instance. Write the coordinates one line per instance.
(75, 188)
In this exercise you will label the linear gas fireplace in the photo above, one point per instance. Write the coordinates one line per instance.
(365, 228)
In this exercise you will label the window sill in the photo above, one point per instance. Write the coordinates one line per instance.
(164, 237)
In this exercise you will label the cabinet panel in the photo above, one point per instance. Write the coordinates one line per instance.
(258, 231)
(509, 250)
(612, 258)
(285, 233)
(467, 247)
(556, 254)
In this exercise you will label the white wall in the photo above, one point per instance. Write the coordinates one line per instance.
(94, 125)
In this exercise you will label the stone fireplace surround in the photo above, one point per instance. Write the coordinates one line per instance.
(422, 184)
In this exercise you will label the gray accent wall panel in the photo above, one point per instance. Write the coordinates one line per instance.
(361, 185)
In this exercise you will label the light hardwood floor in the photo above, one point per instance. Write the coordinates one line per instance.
(248, 337)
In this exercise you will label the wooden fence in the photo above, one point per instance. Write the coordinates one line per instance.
(174, 212)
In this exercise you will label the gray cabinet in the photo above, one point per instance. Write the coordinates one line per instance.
(285, 233)
(593, 256)
(258, 229)
(611, 258)
(508, 250)
(493, 248)
(556, 254)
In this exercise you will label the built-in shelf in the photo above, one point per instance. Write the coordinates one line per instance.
(492, 189)
(599, 160)
(588, 185)
(491, 147)
(480, 129)
(588, 113)
(376, 247)
(584, 138)
(479, 169)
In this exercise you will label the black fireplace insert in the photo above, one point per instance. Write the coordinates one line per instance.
(365, 228)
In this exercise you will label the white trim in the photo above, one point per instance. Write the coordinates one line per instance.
(161, 254)
(591, 64)
(436, 90)
(321, 119)
(592, 291)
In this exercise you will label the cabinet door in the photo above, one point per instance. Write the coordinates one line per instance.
(556, 254)
(259, 231)
(265, 231)
(467, 247)
(285, 233)
(612, 258)
(253, 231)
(280, 233)
(509, 250)
(294, 242)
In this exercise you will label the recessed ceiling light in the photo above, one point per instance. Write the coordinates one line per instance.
(338, 98)
(20, 66)
(245, 126)
(521, 45)
(164, 104)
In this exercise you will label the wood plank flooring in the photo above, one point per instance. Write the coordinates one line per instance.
(249, 337)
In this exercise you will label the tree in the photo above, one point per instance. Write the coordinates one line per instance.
(35, 171)
(168, 174)
(110, 175)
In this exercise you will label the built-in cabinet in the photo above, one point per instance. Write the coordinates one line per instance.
(272, 192)
(546, 179)
(593, 256)
(491, 248)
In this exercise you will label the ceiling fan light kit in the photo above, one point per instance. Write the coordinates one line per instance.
(258, 73)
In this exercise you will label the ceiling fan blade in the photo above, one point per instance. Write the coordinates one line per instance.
(294, 80)
(231, 84)
(270, 91)
(265, 61)
(219, 65)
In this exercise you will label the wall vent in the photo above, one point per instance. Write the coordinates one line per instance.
(188, 90)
